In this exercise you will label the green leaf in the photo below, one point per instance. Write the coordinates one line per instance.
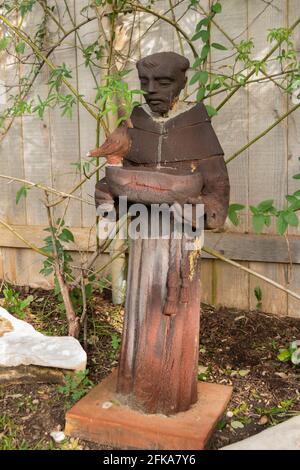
(221, 424)
(267, 220)
(297, 193)
(258, 293)
(20, 47)
(26, 302)
(295, 206)
(284, 355)
(115, 341)
(236, 207)
(244, 372)
(197, 36)
(203, 35)
(22, 192)
(258, 221)
(297, 177)
(237, 425)
(26, 6)
(203, 77)
(4, 42)
(137, 92)
(195, 78)
(254, 210)
(291, 218)
(66, 236)
(60, 222)
(281, 224)
(233, 217)
(200, 94)
(211, 111)
(291, 199)
(265, 205)
(197, 62)
(204, 52)
(217, 7)
(204, 22)
(216, 45)
(199, 77)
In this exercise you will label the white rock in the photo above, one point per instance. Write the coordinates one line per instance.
(284, 436)
(107, 404)
(57, 436)
(26, 346)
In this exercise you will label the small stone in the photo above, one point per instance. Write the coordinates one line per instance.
(106, 405)
(263, 420)
(58, 436)
(229, 414)
(282, 375)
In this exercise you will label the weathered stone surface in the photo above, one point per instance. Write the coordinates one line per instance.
(5, 326)
(284, 436)
(23, 345)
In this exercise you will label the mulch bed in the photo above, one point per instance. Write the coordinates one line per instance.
(237, 348)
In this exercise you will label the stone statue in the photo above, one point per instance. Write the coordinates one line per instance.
(167, 152)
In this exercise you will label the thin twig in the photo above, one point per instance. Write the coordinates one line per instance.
(78, 185)
(46, 188)
(50, 64)
(274, 48)
(218, 255)
(83, 318)
(26, 242)
(73, 320)
(167, 20)
(262, 134)
(235, 45)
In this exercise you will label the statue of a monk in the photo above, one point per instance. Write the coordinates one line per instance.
(172, 156)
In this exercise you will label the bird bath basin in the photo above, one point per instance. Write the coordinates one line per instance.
(148, 186)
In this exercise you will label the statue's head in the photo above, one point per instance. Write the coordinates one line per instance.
(162, 77)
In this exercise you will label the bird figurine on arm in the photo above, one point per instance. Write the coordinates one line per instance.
(116, 146)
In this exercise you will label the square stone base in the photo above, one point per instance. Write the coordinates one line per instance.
(124, 428)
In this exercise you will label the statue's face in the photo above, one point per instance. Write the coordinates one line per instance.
(162, 84)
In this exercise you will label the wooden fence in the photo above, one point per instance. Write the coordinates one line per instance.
(43, 151)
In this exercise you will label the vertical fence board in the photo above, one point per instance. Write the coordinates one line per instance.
(1, 264)
(64, 139)
(232, 129)
(35, 134)
(268, 156)
(293, 133)
(9, 265)
(273, 300)
(206, 281)
(231, 123)
(87, 124)
(230, 285)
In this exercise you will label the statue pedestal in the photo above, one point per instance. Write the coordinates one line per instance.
(124, 428)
